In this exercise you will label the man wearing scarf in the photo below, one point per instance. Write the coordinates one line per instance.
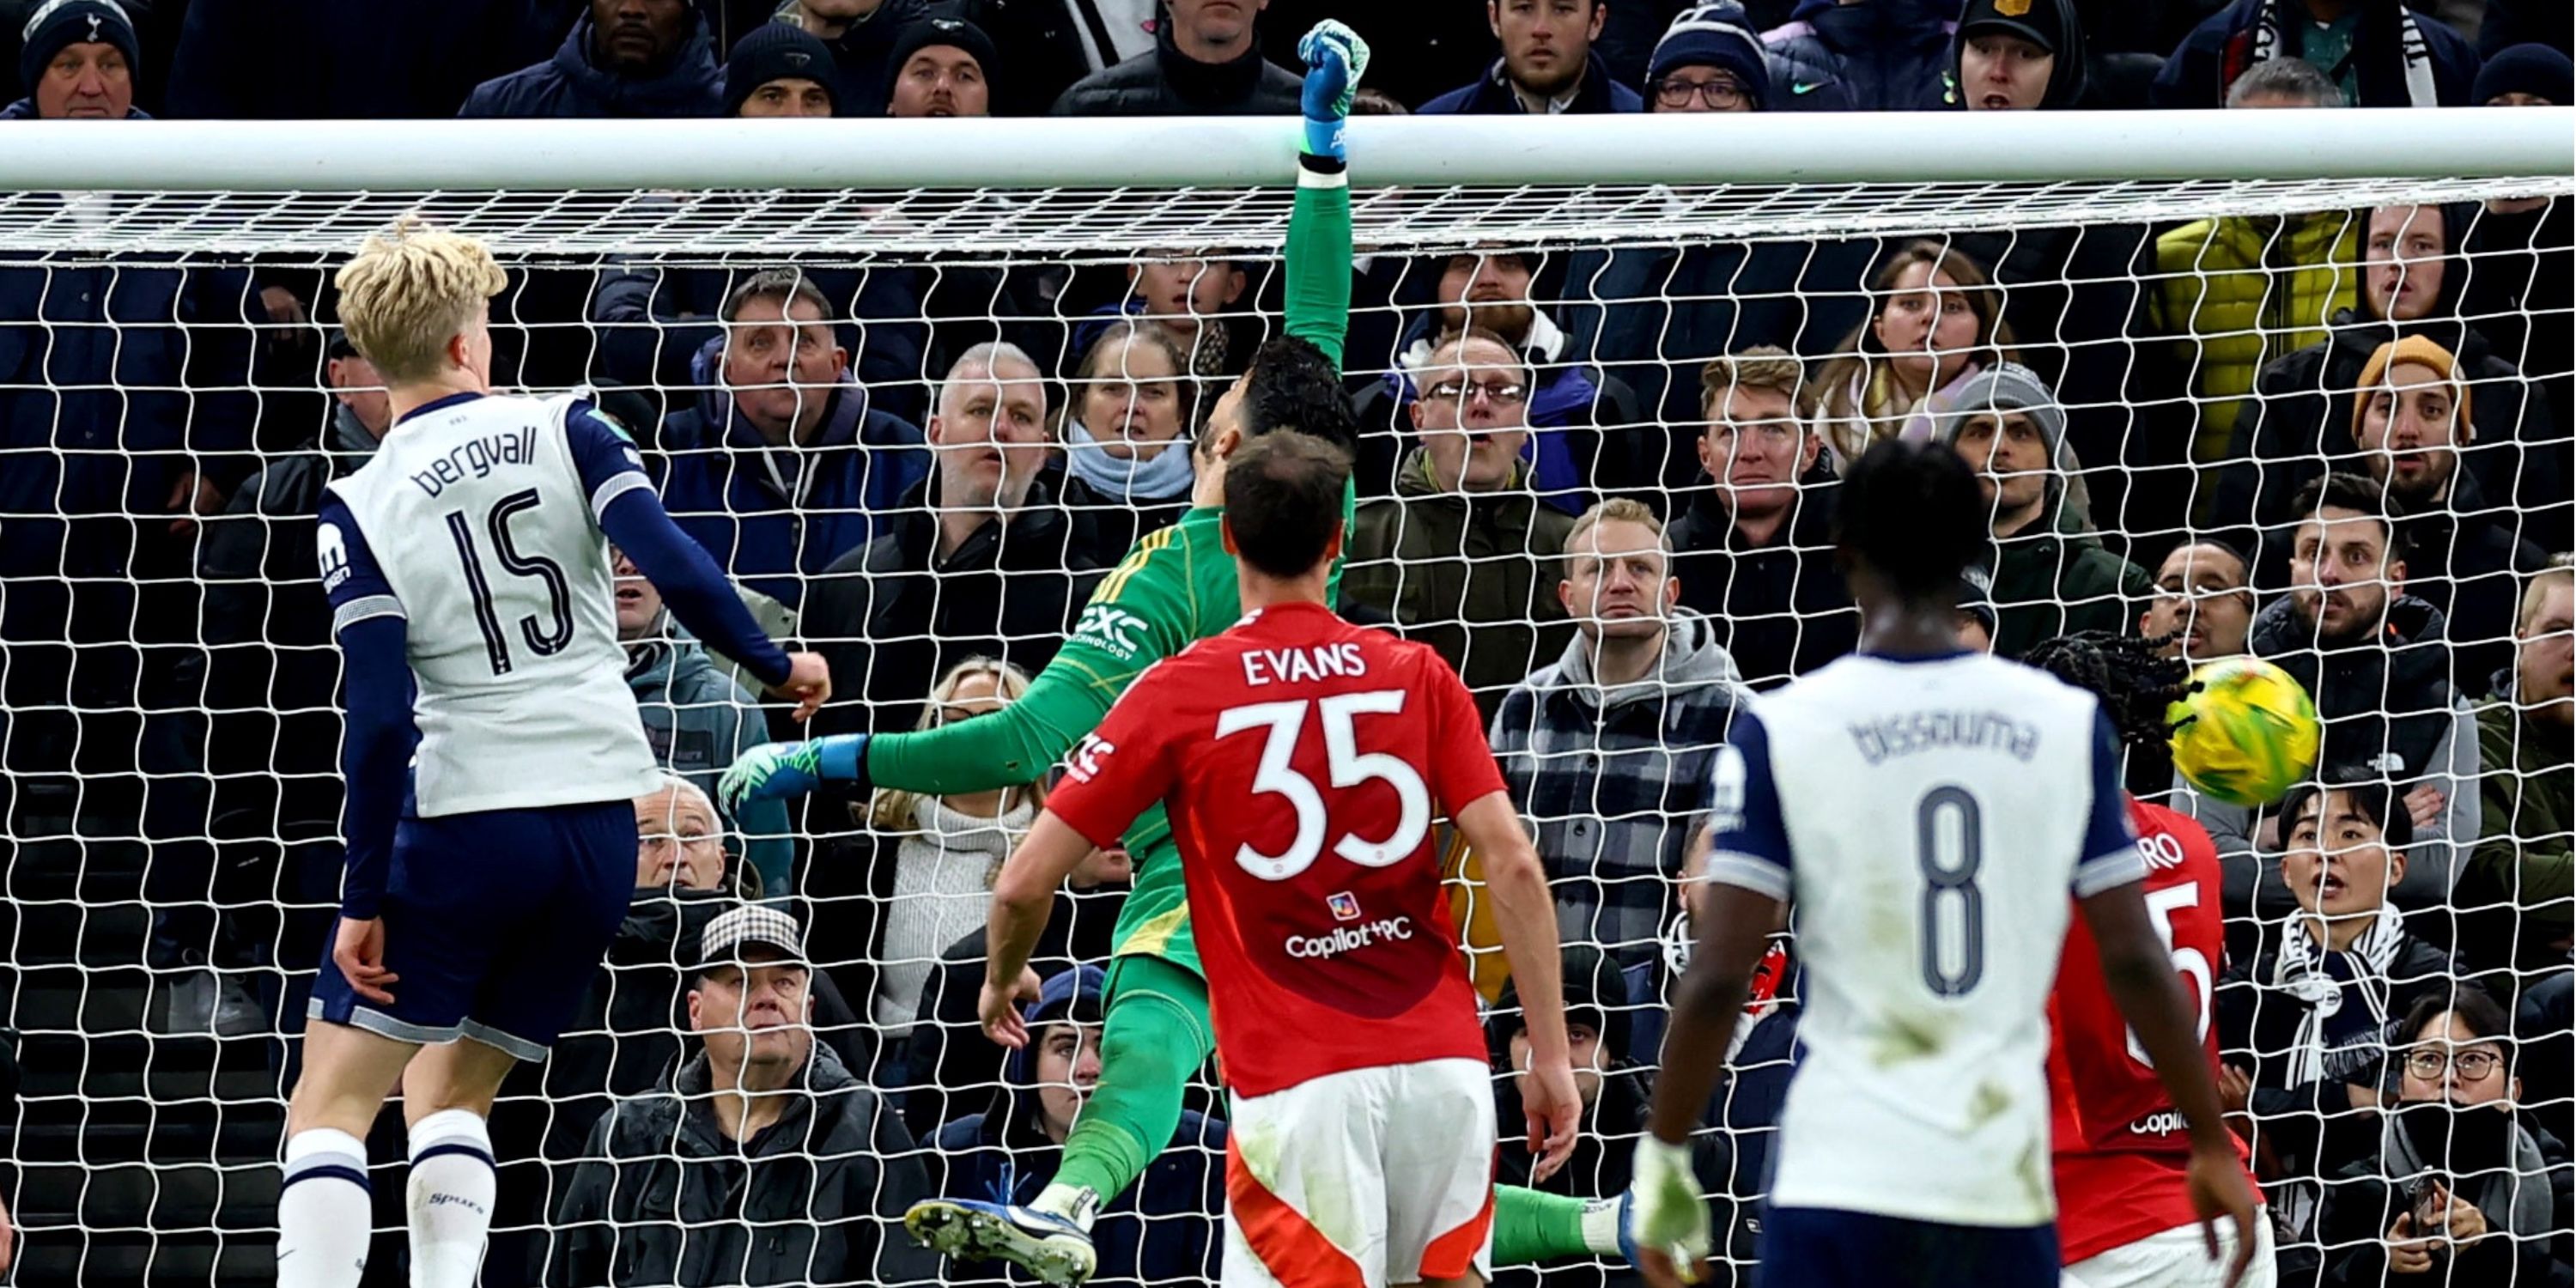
(2305, 1029)
(2379, 52)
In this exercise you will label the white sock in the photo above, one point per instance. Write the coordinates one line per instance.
(1601, 1226)
(449, 1198)
(323, 1211)
(1076, 1203)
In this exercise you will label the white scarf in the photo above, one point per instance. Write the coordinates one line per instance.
(2305, 973)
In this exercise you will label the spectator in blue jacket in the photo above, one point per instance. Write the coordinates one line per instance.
(624, 58)
(1585, 439)
(783, 466)
(77, 60)
(1709, 60)
(1163, 1229)
(1548, 65)
(1862, 56)
(2380, 53)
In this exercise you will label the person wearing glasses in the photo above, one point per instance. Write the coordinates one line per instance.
(1461, 557)
(1709, 60)
(2465, 1188)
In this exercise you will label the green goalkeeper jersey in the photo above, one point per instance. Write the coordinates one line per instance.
(1176, 585)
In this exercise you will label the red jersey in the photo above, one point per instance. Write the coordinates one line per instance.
(1302, 760)
(2120, 1146)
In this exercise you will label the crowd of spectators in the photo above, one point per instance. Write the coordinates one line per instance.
(1599, 480)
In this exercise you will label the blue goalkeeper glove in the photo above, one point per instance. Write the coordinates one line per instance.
(777, 770)
(1335, 57)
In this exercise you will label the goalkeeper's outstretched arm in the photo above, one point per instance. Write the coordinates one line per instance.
(1069, 697)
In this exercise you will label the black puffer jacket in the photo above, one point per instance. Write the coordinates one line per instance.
(812, 1200)
(2385, 699)
(1167, 82)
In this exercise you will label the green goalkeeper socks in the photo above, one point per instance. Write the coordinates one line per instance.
(1530, 1227)
(1153, 1042)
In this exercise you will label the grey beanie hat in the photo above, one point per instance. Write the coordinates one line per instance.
(2010, 386)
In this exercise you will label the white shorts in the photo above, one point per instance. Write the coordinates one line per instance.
(1368, 1177)
(2176, 1258)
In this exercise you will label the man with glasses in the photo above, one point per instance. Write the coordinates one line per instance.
(1752, 549)
(1709, 60)
(1459, 555)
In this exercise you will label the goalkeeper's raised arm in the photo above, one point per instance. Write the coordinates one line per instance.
(1165, 593)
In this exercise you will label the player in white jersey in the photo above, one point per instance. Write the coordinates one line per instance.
(467, 567)
(1929, 809)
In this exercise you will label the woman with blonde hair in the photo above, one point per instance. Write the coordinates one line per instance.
(1937, 320)
(920, 875)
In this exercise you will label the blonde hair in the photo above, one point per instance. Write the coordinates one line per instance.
(408, 291)
(1764, 366)
(892, 808)
(2558, 573)
(1618, 509)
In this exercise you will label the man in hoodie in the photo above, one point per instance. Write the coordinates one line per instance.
(759, 1160)
(1548, 64)
(2413, 273)
(1709, 60)
(2052, 575)
(785, 466)
(1457, 555)
(1206, 61)
(1608, 749)
(1753, 550)
(2377, 51)
(1863, 56)
(978, 561)
(2017, 56)
(696, 719)
(1586, 438)
(624, 58)
(1163, 1229)
(2373, 659)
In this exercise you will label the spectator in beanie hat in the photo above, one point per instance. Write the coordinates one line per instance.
(942, 66)
(1709, 60)
(2525, 76)
(779, 70)
(78, 63)
(2016, 55)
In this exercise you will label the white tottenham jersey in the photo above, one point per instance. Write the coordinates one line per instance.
(1928, 818)
(489, 545)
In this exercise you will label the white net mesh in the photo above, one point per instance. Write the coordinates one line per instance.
(170, 714)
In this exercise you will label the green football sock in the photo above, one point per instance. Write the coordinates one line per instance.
(1154, 1039)
(1530, 1226)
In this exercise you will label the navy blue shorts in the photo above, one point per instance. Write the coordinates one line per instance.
(1825, 1248)
(496, 922)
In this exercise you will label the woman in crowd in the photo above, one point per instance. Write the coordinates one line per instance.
(1938, 321)
(2463, 1189)
(921, 874)
(1127, 438)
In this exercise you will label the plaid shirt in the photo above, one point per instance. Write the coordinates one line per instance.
(1616, 780)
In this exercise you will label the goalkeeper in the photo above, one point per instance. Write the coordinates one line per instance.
(1177, 585)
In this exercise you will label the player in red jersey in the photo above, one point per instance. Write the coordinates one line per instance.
(1302, 761)
(2125, 1218)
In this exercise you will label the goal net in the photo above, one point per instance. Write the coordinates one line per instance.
(2171, 359)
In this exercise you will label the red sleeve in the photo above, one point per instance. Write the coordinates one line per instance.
(1462, 763)
(1121, 768)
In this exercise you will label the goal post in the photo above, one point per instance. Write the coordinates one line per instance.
(168, 721)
